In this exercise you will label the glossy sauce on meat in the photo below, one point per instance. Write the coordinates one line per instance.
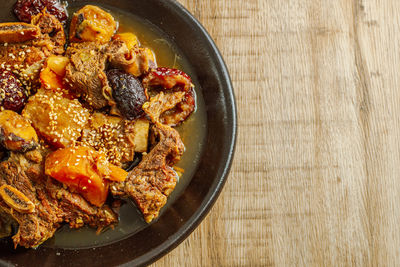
(192, 132)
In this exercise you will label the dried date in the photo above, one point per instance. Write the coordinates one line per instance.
(167, 78)
(12, 93)
(26, 9)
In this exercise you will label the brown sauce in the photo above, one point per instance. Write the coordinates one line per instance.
(192, 133)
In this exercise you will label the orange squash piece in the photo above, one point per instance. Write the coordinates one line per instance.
(92, 24)
(85, 171)
(50, 80)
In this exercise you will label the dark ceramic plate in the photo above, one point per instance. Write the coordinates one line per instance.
(190, 207)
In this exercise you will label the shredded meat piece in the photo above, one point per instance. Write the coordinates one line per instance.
(53, 206)
(151, 182)
(136, 61)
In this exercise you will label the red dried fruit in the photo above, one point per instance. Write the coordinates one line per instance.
(26, 9)
(167, 79)
(12, 93)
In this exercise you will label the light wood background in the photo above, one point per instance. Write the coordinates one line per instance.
(316, 178)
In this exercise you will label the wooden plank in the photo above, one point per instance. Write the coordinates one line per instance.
(316, 177)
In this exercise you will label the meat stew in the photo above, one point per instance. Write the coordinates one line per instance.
(73, 109)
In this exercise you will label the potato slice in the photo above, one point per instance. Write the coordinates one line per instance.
(92, 24)
(16, 133)
(58, 120)
(141, 135)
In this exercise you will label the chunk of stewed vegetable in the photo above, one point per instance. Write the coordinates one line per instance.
(16, 133)
(58, 120)
(92, 24)
(84, 170)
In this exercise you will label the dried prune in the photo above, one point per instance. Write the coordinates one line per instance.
(12, 93)
(26, 9)
(128, 93)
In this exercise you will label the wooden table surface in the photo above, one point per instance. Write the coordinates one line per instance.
(316, 179)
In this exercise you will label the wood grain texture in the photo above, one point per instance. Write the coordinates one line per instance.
(316, 178)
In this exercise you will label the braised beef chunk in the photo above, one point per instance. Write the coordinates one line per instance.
(53, 206)
(150, 183)
(36, 227)
(176, 99)
(51, 29)
(136, 61)
(86, 73)
(26, 57)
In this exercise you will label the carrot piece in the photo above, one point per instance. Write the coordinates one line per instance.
(85, 171)
(50, 80)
